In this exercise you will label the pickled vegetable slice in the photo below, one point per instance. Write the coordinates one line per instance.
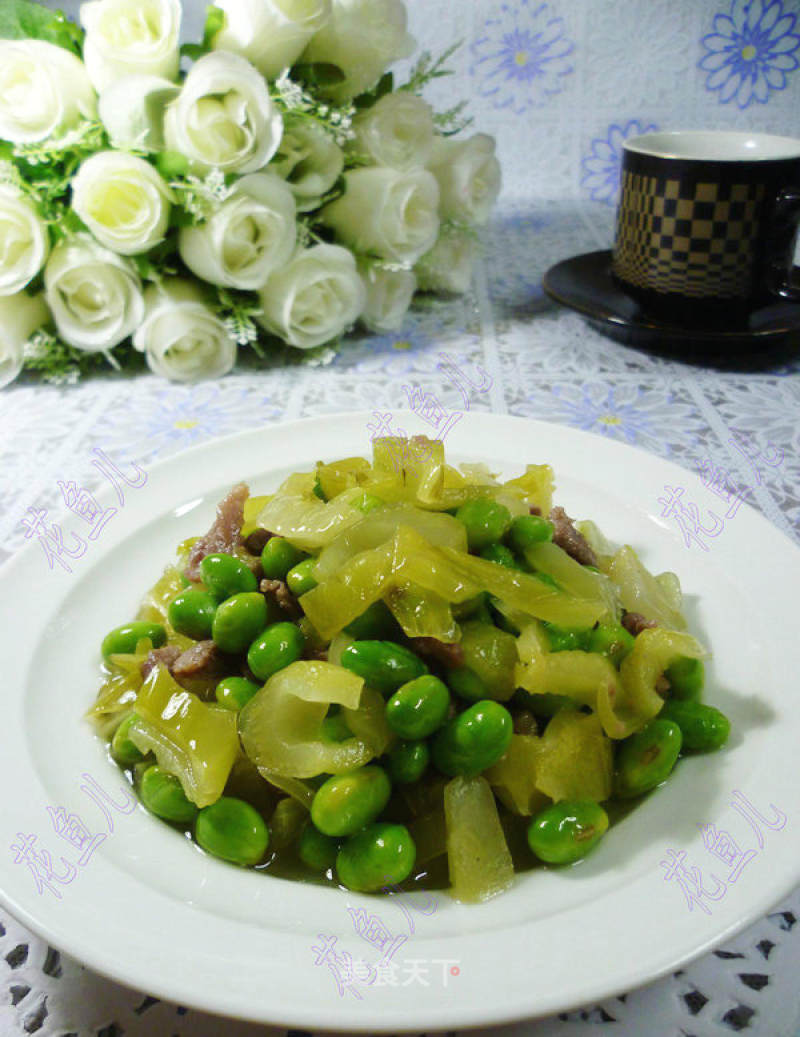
(423, 613)
(514, 778)
(537, 485)
(640, 591)
(478, 857)
(380, 526)
(306, 521)
(280, 727)
(194, 741)
(576, 759)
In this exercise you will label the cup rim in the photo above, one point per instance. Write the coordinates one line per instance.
(714, 146)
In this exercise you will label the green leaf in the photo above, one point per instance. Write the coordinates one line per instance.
(20, 20)
(215, 22)
(319, 74)
(371, 97)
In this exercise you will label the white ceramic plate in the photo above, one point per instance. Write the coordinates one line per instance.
(155, 913)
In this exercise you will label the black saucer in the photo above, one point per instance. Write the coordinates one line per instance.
(769, 334)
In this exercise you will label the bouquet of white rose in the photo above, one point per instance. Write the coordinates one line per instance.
(277, 190)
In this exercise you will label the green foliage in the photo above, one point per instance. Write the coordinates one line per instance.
(319, 74)
(427, 69)
(371, 97)
(61, 364)
(20, 19)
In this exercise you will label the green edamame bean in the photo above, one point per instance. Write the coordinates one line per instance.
(567, 831)
(467, 684)
(317, 850)
(500, 555)
(703, 728)
(279, 556)
(473, 740)
(645, 759)
(611, 639)
(384, 665)
(233, 830)
(235, 692)
(418, 708)
(567, 639)
(122, 640)
(382, 855)
(375, 624)
(369, 502)
(300, 578)
(277, 647)
(686, 679)
(347, 802)
(122, 748)
(527, 530)
(408, 761)
(238, 621)
(486, 521)
(163, 795)
(191, 613)
(335, 729)
(225, 575)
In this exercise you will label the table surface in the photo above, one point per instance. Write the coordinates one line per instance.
(559, 133)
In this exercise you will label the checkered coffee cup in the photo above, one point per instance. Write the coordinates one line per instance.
(707, 222)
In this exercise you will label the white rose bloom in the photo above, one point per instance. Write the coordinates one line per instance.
(94, 295)
(362, 38)
(469, 177)
(44, 91)
(24, 241)
(448, 266)
(122, 200)
(389, 295)
(396, 132)
(309, 161)
(251, 234)
(271, 34)
(126, 37)
(132, 111)
(182, 338)
(314, 298)
(224, 117)
(20, 316)
(387, 213)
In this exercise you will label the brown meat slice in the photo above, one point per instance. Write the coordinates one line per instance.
(257, 540)
(201, 660)
(279, 592)
(165, 656)
(566, 536)
(635, 623)
(439, 651)
(225, 535)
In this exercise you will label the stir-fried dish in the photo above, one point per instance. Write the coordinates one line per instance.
(388, 673)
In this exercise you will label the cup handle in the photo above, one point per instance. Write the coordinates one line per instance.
(785, 221)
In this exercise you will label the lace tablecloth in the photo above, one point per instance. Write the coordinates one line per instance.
(560, 84)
